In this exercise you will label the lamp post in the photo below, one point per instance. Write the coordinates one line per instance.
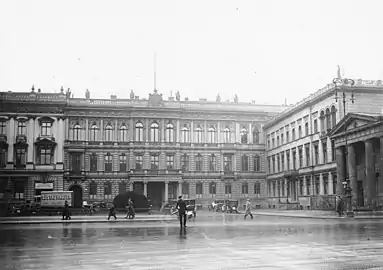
(341, 85)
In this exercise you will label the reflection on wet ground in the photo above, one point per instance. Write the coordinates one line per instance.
(263, 243)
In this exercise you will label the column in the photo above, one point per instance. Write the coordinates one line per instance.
(250, 135)
(146, 129)
(162, 128)
(11, 141)
(67, 129)
(146, 188)
(370, 198)
(166, 191)
(340, 165)
(115, 130)
(192, 132)
(86, 129)
(329, 149)
(330, 184)
(31, 142)
(177, 131)
(218, 132)
(304, 160)
(321, 184)
(237, 133)
(205, 133)
(291, 159)
(101, 138)
(234, 162)
(131, 130)
(179, 188)
(286, 188)
(320, 150)
(351, 166)
(60, 142)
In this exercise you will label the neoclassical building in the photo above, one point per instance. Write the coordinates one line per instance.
(31, 143)
(301, 155)
(164, 148)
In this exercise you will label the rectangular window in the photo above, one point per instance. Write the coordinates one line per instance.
(293, 134)
(308, 186)
(300, 154)
(317, 185)
(316, 154)
(108, 163)
(21, 128)
(282, 139)
(299, 132)
(46, 128)
(185, 188)
(212, 188)
(333, 151)
(45, 155)
(198, 163)
(199, 189)
(334, 182)
(301, 186)
(307, 152)
(3, 158)
(169, 162)
(269, 164)
(257, 188)
(123, 163)
(288, 160)
(272, 143)
(287, 137)
(227, 188)
(20, 157)
(3, 128)
(212, 163)
(277, 141)
(245, 188)
(227, 165)
(282, 161)
(273, 161)
(294, 160)
(139, 162)
(93, 163)
(18, 190)
(245, 163)
(257, 164)
(325, 184)
(185, 163)
(307, 129)
(154, 161)
(315, 126)
(282, 187)
(279, 163)
(324, 147)
(76, 163)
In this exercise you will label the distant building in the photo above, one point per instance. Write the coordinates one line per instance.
(301, 155)
(160, 148)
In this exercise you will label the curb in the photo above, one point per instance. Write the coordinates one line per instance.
(296, 216)
(59, 221)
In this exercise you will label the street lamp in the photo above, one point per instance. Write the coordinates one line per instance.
(341, 84)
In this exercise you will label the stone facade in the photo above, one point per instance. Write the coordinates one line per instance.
(301, 155)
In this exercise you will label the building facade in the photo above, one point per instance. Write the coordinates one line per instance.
(162, 149)
(362, 163)
(301, 155)
(31, 143)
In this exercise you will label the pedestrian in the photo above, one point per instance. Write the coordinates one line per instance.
(131, 214)
(339, 205)
(248, 209)
(181, 206)
(66, 212)
(112, 212)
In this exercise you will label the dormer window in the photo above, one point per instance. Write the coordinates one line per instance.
(46, 128)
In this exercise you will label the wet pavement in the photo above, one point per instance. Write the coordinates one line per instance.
(212, 242)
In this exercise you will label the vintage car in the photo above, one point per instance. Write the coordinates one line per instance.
(231, 206)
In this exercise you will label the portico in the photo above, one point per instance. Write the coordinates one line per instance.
(361, 163)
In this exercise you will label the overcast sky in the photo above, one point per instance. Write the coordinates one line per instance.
(260, 50)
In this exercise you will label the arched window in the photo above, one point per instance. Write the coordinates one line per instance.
(169, 133)
(93, 190)
(139, 132)
(243, 134)
(123, 134)
(328, 119)
(211, 135)
(322, 121)
(212, 188)
(333, 116)
(77, 132)
(257, 163)
(93, 133)
(256, 135)
(226, 135)
(185, 134)
(306, 129)
(198, 135)
(108, 133)
(107, 190)
(154, 132)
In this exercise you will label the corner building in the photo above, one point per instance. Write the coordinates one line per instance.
(302, 154)
(165, 148)
(31, 144)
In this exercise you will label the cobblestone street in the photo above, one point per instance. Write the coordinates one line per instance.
(214, 243)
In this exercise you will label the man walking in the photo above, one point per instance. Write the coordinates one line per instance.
(181, 206)
(112, 212)
(248, 209)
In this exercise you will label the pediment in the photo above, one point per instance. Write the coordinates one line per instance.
(354, 121)
(45, 141)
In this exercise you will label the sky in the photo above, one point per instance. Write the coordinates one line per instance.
(264, 51)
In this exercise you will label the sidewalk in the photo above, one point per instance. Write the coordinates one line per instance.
(84, 219)
(298, 213)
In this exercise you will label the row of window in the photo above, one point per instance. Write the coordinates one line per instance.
(44, 156)
(281, 162)
(45, 128)
(327, 122)
(154, 162)
(278, 188)
(154, 135)
(122, 187)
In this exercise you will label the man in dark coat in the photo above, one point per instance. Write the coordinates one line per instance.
(112, 212)
(181, 206)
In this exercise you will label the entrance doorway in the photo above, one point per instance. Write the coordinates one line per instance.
(359, 194)
(77, 196)
(155, 194)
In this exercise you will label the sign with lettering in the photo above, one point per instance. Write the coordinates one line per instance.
(56, 198)
(43, 185)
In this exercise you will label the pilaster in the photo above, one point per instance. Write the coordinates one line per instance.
(11, 142)
(321, 184)
(330, 184)
(351, 165)
(370, 185)
(340, 165)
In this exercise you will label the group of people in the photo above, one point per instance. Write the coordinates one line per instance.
(130, 213)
